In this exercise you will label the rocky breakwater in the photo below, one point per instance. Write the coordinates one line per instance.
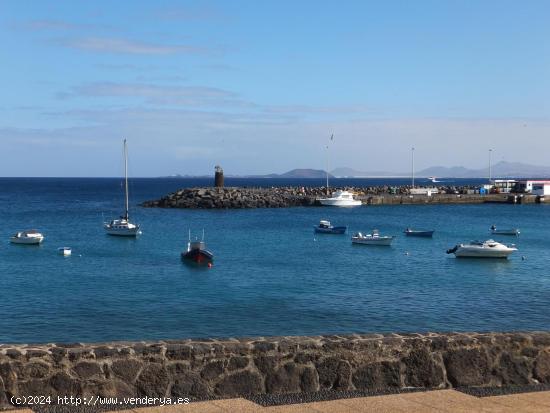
(200, 369)
(209, 198)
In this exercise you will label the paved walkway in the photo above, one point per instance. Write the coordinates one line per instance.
(421, 402)
(417, 402)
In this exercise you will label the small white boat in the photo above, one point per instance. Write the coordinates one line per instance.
(340, 199)
(485, 249)
(31, 237)
(508, 231)
(65, 251)
(373, 238)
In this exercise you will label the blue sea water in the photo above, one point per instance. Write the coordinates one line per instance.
(271, 275)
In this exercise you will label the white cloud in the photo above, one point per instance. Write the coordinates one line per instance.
(127, 46)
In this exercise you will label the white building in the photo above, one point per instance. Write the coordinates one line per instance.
(535, 187)
(423, 191)
(504, 186)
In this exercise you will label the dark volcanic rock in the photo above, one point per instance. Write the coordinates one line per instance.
(127, 369)
(467, 367)
(334, 373)
(542, 367)
(240, 384)
(153, 381)
(513, 370)
(421, 370)
(380, 375)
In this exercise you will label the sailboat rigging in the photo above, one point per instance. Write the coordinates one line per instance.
(123, 226)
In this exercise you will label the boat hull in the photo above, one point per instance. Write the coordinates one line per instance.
(27, 241)
(122, 232)
(425, 234)
(472, 253)
(380, 241)
(340, 202)
(198, 256)
(333, 230)
(505, 232)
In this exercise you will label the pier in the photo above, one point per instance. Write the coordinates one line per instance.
(283, 197)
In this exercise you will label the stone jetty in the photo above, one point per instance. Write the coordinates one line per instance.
(282, 197)
(209, 198)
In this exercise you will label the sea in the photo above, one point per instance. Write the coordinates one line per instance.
(271, 276)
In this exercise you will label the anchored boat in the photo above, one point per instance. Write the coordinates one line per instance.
(482, 249)
(418, 233)
(197, 252)
(325, 227)
(510, 231)
(65, 251)
(340, 199)
(30, 237)
(373, 238)
(122, 226)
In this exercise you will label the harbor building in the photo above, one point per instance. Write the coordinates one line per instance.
(535, 187)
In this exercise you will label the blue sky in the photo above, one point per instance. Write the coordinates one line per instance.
(259, 86)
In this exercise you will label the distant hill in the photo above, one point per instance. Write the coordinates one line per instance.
(304, 173)
(500, 170)
(353, 173)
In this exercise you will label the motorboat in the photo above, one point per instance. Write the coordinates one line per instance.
(65, 251)
(482, 249)
(122, 226)
(197, 253)
(31, 237)
(418, 233)
(325, 227)
(340, 199)
(509, 231)
(374, 238)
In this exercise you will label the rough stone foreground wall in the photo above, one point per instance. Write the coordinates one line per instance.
(228, 368)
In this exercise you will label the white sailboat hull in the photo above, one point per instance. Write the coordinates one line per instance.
(339, 202)
(122, 231)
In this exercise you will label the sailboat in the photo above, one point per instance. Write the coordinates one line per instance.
(338, 198)
(122, 226)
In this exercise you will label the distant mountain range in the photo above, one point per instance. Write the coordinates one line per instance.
(500, 170)
(299, 173)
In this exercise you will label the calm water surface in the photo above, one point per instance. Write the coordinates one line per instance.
(271, 276)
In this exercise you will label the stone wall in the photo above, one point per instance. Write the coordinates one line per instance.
(236, 367)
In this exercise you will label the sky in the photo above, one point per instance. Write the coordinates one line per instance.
(260, 86)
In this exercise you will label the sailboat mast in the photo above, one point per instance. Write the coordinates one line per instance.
(412, 166)
(327, 172)
(126, 177)
(490, 165)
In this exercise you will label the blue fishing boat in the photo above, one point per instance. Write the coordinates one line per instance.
(417, 233)
(324, 227)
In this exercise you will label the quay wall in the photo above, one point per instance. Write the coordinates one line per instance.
(210, 368)
(232, 198)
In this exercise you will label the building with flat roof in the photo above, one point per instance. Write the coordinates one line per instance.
(535, 187)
